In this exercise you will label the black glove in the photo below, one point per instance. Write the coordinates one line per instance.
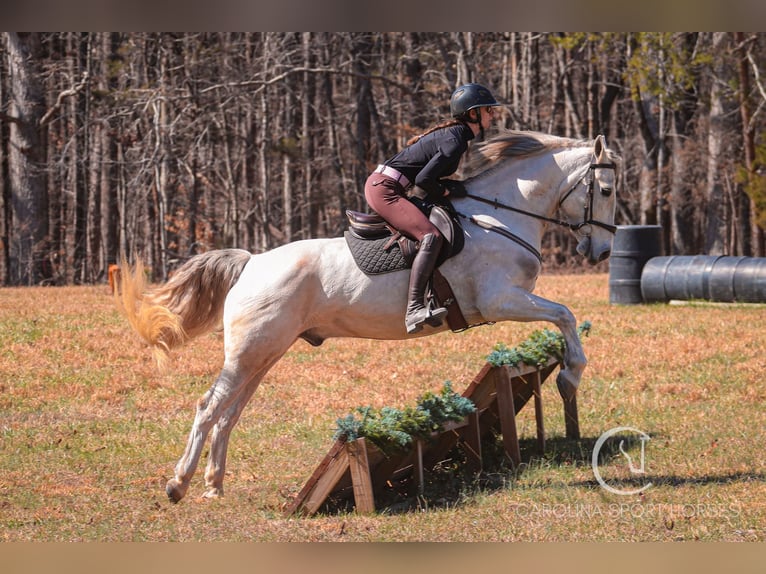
(454, 187)
(418, 193)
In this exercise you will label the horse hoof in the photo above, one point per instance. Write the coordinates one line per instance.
(567, 389)
(213, 493)
(174, 491)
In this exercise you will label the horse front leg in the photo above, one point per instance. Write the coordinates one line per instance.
(518, 304)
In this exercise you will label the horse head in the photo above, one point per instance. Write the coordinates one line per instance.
(548, 173)
(588, 206)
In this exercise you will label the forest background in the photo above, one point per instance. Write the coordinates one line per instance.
(162, 145)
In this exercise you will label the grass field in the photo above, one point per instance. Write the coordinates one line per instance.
(91, 432)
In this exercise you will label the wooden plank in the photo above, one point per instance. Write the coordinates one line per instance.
(522, 390)
(507, 413)
(364, 499)
(537, 390)
(524, 369)
(482, 389)
(315, 476)
(375, 458)
(333, 472)
(477, 379)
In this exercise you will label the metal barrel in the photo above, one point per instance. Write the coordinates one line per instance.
(722, 279)
(707, 277)
(653, 279)
(698, 276)
(750, 280)
(632, 247)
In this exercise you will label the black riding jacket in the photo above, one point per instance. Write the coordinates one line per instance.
(432, 157)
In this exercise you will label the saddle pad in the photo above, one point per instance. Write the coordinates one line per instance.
(372, 259)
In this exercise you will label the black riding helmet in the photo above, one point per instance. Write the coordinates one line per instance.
(468, 97)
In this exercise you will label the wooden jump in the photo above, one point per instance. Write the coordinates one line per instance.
(360, 469)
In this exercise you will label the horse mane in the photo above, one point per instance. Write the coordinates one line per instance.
(518, 144)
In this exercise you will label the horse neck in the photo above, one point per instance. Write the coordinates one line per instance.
(534, 184)
(539, 182)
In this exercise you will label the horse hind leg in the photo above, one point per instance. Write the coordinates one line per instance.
(219, 442)
(213, 403)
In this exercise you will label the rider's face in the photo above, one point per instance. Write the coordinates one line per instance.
(488, 114)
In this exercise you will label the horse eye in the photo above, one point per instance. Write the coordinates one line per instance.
(606, 191)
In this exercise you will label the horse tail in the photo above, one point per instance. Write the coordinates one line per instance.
(188, 305)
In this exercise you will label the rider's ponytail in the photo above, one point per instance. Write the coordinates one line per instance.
(444, 124)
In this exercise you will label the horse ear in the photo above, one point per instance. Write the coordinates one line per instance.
(599, 148)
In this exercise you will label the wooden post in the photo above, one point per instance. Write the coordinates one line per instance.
(114, 277)
(507, 412)
(364, 499)
(537, 391)
(472, 444)
(571, 419)
(419, 466)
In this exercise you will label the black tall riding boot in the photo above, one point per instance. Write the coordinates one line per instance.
(422, 268)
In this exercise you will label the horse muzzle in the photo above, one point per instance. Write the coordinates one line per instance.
(587, 248)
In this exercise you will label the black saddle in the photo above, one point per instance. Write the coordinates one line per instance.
(379, 248)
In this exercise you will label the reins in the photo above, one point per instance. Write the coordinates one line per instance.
(587, 220)
(505, 233)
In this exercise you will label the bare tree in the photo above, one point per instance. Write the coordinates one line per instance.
(162, 145)
(718, 213)
(28, 233)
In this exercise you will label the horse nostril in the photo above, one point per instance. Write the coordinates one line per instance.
(605, 255)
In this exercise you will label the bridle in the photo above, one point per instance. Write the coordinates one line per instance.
(587, 215)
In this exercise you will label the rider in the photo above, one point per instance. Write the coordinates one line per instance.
(416, 170)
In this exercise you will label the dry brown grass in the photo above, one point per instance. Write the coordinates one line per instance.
(90, 430)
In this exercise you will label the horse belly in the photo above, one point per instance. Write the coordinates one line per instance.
(313, 289)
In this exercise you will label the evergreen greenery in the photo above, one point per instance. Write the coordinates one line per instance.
(390, 428)
(535, 350)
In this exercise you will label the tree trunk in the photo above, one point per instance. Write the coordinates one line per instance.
(6, 212)
(308, 120)
(27, 162)
(109, 242)
(682, 207)
(682, 203)
(717, 212)
(756, 239)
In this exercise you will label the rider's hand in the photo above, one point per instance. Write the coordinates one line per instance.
(455, 189)
(418, 193)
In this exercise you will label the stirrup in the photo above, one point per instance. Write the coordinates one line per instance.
(434, 318)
